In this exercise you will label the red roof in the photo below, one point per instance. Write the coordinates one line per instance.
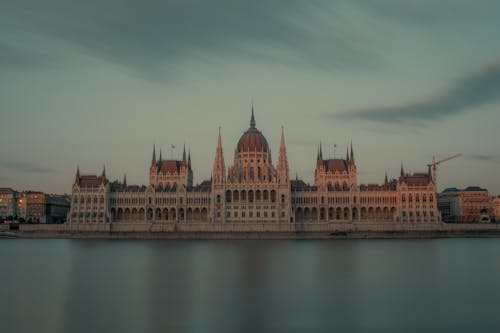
(335, 165)
(169, 166)
(91, 181)
(252, 140)
(417, 179)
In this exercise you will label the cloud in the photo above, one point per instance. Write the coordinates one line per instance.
(464, 95)
(21, 57)
(24, 167)
(484, 157)
(156, 37)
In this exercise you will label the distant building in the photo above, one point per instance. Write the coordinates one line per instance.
(31, 206)
(465, 206)
(38, 207)
(8, 203)
(495, 208)
(254, 190)
(56, 208)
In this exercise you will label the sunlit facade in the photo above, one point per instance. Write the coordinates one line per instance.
(253, 190)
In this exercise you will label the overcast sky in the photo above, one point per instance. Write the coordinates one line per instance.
(99, 82)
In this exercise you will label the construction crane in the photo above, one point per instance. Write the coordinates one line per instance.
(433, 166)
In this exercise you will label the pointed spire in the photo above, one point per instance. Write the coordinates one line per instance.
(153, 160)
(347, 154)
(77, 177)
(124, 179)
(402, 174)
(219, 141)
(103, 171)
(189, 159)
(351, 159)
(219, 169)
(385, 180)
(160, 156)
(320, 151)
(184, 153)
(252, 119)
(283, 161)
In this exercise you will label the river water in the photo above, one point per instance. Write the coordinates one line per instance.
(61, 285)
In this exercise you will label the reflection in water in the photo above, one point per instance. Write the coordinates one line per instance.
(444, 285)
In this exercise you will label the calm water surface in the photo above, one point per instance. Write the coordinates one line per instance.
(57, 285)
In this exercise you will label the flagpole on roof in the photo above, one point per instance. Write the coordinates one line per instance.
(172, 152)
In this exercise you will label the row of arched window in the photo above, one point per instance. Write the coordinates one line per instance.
(127, 201)
(378, 200)
(89, 199)
(417, 197)
(250, 196)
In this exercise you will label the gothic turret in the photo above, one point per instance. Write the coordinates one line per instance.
(219, 169)
(351, 157)
(153, 160)
(77, 177)
(283, 161)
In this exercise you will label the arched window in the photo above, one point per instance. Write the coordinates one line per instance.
(250, 196)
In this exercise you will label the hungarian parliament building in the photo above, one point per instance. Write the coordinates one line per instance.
(253, 191)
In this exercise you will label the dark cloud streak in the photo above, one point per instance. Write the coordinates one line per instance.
(23, 167)
(465, 95)
(157, 37)
(484, 157)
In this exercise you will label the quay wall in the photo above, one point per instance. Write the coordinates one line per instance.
(261, 230)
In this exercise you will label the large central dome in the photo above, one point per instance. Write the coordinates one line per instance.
(252, 140)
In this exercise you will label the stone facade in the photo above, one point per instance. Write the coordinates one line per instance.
(465, 205)
(495, 207)
(31, 206)
(254, 191)
(8, 202)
